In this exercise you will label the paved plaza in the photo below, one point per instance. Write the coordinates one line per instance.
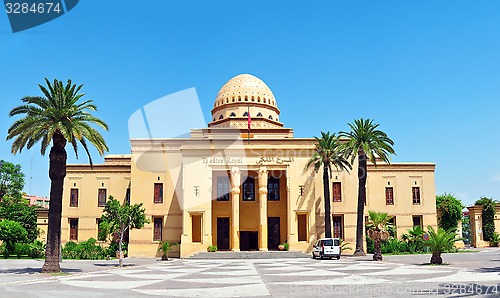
(468, 274)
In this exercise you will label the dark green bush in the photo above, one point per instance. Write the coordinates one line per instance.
(21, 249)
(370, 245)
(36, 249)
(86, 250)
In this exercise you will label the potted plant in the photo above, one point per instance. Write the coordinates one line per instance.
(281, 247)
(166, 246)
(212, 248)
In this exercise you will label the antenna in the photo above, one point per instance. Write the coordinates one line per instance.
(31, 172)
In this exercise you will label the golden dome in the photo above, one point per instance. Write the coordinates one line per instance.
(245, 88)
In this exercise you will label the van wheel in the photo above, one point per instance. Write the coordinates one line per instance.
(314, 257)
(338, 258)
(321, 256)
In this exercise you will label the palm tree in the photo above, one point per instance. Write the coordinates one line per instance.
(440, 241)
(328, 152)
(365, 141)
(58, 118)
(415, 237)
(166, 247)
(377, 225)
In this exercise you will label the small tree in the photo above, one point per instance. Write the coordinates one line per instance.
(11, 179)
(377, 230)
(11, 232)
(440, 241)
(166, 247)
(450, 211)
(118, 218)
(487, 216)
(18, 210)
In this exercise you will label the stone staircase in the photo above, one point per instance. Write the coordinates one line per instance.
(250, 255)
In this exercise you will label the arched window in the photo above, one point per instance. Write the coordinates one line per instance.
(233, 98)
(245, 114)
(259, 114)
(232, 115)
(277, 119)
(253, 98)
(270, 117)
(221, 117)
(246, 98)
(264, 100)
(239, 98)
(258, 98)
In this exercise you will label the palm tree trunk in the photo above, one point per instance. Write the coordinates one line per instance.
(361, 203)
(377, 254)
(436, 258)
(57, 172)
(326, 194)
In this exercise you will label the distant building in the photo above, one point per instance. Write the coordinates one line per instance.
(252, 192)
(38, 201)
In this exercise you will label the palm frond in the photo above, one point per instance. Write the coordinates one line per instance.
(60, 110)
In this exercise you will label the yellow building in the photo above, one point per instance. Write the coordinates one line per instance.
(238, 189)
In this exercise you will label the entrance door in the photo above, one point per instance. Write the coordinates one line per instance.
(223, 233)
(249, 240)
(273, 233)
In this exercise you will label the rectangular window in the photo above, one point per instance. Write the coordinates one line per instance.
(222, 188)
(393, 227)
(98, 223)
(101, 197)
(338, 226)
(417, 220)
(73, 229)
(196, 227)
(302, 227)
(157, 228)
(273, 189)
(73, 199)
(249, 189)
(416, 195)
(337, 191)
(389, 196)
(127, 196)
(158, 193)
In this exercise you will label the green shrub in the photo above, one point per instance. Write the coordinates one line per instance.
(287, 246)
(495, 239)
(212, 248)
(21, 249)
(113, 248)
(394, 246)
(370, 245)
(86, 250)
(36, 249)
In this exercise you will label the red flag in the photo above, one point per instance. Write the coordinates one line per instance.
(249, 119)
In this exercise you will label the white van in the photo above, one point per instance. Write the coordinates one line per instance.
(326, 248)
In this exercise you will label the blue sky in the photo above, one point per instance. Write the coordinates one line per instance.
(427, 71)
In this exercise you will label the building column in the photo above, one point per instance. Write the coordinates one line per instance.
(263, 208)
(235, 208)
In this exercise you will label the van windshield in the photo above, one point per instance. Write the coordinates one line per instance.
(336, 242)
(328, 242)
